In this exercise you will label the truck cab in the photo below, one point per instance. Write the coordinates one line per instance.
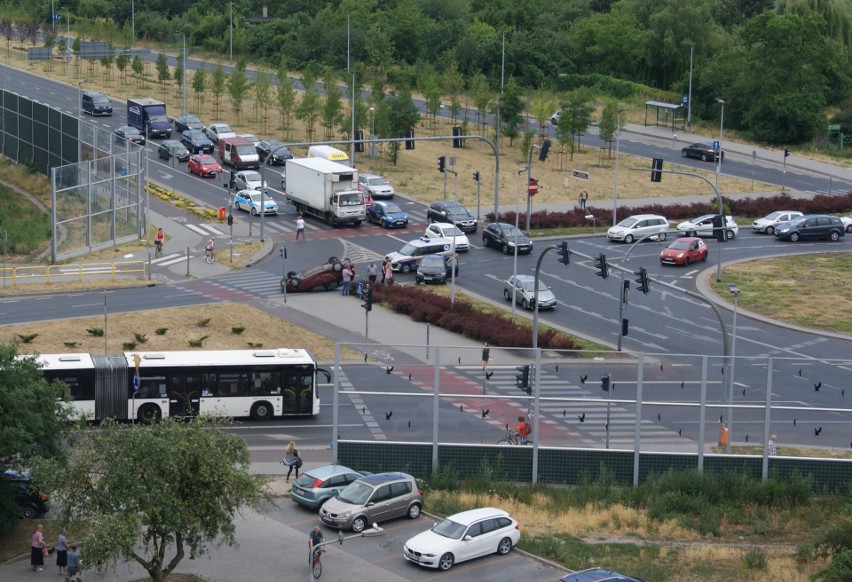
(149, 116)
(238, 152)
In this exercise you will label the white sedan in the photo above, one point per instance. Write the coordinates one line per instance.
(447, 230)
(847, 223)
(249, 180)
(464, 536)
(703, 226)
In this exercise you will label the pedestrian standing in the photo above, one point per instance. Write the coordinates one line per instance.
(773, 446)
(388, 278)
(584, 196)
(300, 227)
(347, 279)
(73, 561)
(292, 460)
(372, 273)
(384, 269)
(62, 553)
(486, 356)
(37, 549)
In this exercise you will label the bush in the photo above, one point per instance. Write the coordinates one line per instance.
(754, 559)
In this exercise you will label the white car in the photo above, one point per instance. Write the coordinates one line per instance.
(464, 536)
(554, 119)
(638, 226)
(375, 186)
(450, 231)
(249, 200)
(216, 131)
(524, 292)
(249, 180)
(847, 223)
(703, 226)
(768, 223)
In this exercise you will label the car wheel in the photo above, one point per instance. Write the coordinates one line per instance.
(729, 234)
(414, 511)
(704, 258)
(703, 157)
(684, 154)
(486, 245)
(291, 274)
(690, 233)
(254, 211)
(507, 295)
(504, 547)
(358, 524)
(849, 229)
(629, 239)
(686, 262)
(333, 260)
(417, 281)
(525, 303)
(662, 236)
(446, 562)
(770, 230)
(294, 282)
(29, 512)
(337, 267)
(505, 249)
(405, 268)
(261, 411)
(794, 237)
(834, 236)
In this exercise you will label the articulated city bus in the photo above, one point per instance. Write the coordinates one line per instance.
(260, 384)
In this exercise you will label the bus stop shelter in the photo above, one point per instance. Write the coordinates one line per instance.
(665, 115)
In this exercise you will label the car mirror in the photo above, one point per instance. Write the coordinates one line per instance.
(467, 538)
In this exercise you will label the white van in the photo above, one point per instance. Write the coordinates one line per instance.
(329, 153)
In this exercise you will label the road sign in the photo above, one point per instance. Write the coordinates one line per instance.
(57, 17)
(833, 127)
(580, 174)
(135, 382)
(716, 144)
(532, 187)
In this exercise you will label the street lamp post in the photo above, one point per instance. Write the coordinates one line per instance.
(689, 103)
(592, 218)
(617, 151)
(80, 97)
(183, 75)
(719, 153)
(515, 260)
(735, 291)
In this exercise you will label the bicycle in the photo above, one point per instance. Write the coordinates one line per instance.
(158, 249)
(209, 256)
(316, 564)
(512, 438)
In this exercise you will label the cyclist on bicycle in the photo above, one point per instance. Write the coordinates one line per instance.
(209, 250)
(161, 238)
(315, 538)
(524, 430)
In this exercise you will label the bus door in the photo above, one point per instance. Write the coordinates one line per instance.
(299, 391)
(184, 394)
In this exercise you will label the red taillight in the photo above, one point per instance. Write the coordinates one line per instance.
(317, 483)
(518, 526)
(420, 491)
(43, 496)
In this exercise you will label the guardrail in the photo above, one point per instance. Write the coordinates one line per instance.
(48, 274)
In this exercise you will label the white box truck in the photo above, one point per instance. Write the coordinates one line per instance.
(325, 189)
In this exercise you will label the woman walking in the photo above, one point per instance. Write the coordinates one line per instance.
(62, 553)
(37, 549)
(292, 460)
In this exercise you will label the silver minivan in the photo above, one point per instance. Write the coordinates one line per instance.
(373, 499)
(635, 227)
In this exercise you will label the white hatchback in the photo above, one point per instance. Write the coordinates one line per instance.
(450, 231)
(464, 536)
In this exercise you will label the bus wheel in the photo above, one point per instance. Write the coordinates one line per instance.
(148, 413)
(261, 411)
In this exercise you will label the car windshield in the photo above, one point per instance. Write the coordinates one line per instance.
(457, 212)
(392, 208)
(451, 231)
(680, 245)
(196, 134)
(255, 197)
(408, 250)
(159, 119)
(251, 177)
(206, 160)
(512, 232)
(377, 181)
(246, 150)
(100, 100)
(351, 199)
(773, 216)
(131, 131)
(432, 261)
(356, 493)
(627, 222)
(449, 529)
(223, 129)
(529, 286)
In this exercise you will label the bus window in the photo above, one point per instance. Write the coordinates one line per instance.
(151, 387)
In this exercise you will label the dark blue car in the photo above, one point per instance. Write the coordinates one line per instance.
(387, 214)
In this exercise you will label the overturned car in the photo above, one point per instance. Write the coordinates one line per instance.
(325, 277)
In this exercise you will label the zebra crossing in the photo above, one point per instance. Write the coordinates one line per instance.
(583, 413)
(245, 285)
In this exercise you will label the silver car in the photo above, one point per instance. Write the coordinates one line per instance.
(768, 223)
(373, 499)
(524, 287)
(635, 227)
(316, 486)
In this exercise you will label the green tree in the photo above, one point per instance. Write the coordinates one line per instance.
(138, 68)
(262, 85)
(178, 75)
(33, 420)
(331, 105)
(121, 62)
(402, 115)
(218, 80)
(107, 62)
(542, 106)
(481, 95)
(452, 83)
(308, 109)
(199, 84)
(379, 49)
(286, 98)
(432, 92)
(511, 109)
(576, 117)
(162, 73)
(238, 86)
(197, 493)
(76, 44)
(608, 123)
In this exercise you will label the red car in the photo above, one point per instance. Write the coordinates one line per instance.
(204, 165)
(684, 251)
(325, 277)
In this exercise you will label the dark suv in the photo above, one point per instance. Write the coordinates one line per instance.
(811, 226)
(505, 236)
(96, 104)
(33, 501)
(452, 212)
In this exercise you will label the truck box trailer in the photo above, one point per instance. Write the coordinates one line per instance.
(326, 190)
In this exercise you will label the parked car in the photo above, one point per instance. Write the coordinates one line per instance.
(127, 133)
(280, 153)
(387, 214)
(172, 148)
(436, 269)
(599, 575)
(204, 165)
(184, 122)
(95, 103)
(554, 119)
(32, 501)
(250, 200)
(196, 141)
(702, 151)
(325, 277)
(524, 292)
(450, 231)
(408, 257)
(375, 186)
(464, 536)
(249, 137)
(373, 499)
(703, 226)
(768, 223)
(811, 227)
(249, 180)
(453, 212)
(505, 236)
(635, 227)
(315, 486)
(684, 251)
(216, 131)
(847, 223)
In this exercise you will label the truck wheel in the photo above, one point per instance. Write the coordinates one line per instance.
(357, 223)
(329, 218)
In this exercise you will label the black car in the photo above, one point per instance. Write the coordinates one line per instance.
(128, 133)
(702, 151)
(196, 141)
(436, 269)
(280, 153)
(599, 575)
(185, 122)
(173, 148)
(811, 227)
(452, 212)
(96, 104)
(32, 501)
(503, 236)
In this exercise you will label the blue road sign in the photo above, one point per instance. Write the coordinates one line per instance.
(57, 17)
(715, 144)
(135, 382)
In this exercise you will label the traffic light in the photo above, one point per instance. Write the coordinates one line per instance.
(522, 378)
(457, 142)
(601, 266)
(564, 253)
(476, 176)
(719, 227)
(232, 180)
(230, 219)
(409, 139)
(545, 148)
(359, 141)
(442, 161)
(657, 170)
(786, 152)
(625, 326)
(605, 383)
(642, 283)
(368, 298)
